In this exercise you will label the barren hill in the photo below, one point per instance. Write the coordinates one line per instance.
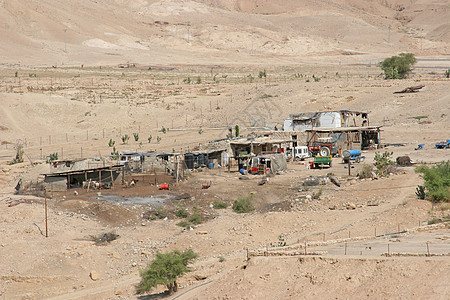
(84, 32)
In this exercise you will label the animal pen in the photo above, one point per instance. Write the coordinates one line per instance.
(104, 176)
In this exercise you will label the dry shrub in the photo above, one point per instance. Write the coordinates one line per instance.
(366, 171)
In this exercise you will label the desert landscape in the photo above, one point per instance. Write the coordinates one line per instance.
(76, 76)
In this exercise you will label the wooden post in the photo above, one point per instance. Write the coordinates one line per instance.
(68, 181)
(389, 253)
(123, 174)
(349, 172)
(306, 251)
(345, 249)
(428, 249)
(100, 177)
(45, 207)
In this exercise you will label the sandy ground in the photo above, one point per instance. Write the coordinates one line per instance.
(62, 90)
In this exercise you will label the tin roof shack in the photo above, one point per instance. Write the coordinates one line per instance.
(151, 162)
(68, 165)
(335, 119)
(267, 163)
(216, 157)
(61, 181)
(243, 149)
(256, 146)
(364, 137)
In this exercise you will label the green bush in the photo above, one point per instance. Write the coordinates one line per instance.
(111, 143)
(184, 224)
(160, 213)
(382, 162)
(220, 205)
(420, 192)
(398, 67)
(136, 136)
(19, 155)
(182, 213)
(243, 204)
(195, 219)
(436, 181)
(115, 153)
(125, 138)
(165, 269)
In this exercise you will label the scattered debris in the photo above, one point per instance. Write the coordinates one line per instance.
(104, 238)
(419, 147)
(442, 145)
(335, 180)
(206, 186)
(411, 89)
(94, 276)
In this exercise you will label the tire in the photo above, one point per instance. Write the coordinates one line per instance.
(325, 151)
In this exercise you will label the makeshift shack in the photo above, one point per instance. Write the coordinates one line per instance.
(61, 181)
(347, 138)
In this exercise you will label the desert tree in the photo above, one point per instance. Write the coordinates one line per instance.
(165, 269)
(398, 67)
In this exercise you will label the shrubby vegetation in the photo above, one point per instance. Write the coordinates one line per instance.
(165, 269)
(382, 163)
(398, 67)
(436, 181)
(243, 204)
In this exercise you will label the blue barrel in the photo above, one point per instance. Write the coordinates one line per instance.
(211, 165)
(351, 153)
(243, 171)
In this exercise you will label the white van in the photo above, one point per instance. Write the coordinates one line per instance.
(301, 152)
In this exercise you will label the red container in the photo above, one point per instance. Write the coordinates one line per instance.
(164, 187)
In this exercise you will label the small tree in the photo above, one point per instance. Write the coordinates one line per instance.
(111, 143)
(114, 153)
(398, 67)
(53, 157)
(263, 74)
(382, 162)
(125, 138)
(136, 136)
(165, 269)
(236, 130)
(19, 154)
(149, 139)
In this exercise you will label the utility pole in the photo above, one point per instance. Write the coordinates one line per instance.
(65, 41)
(189, 33)
(389, 33)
